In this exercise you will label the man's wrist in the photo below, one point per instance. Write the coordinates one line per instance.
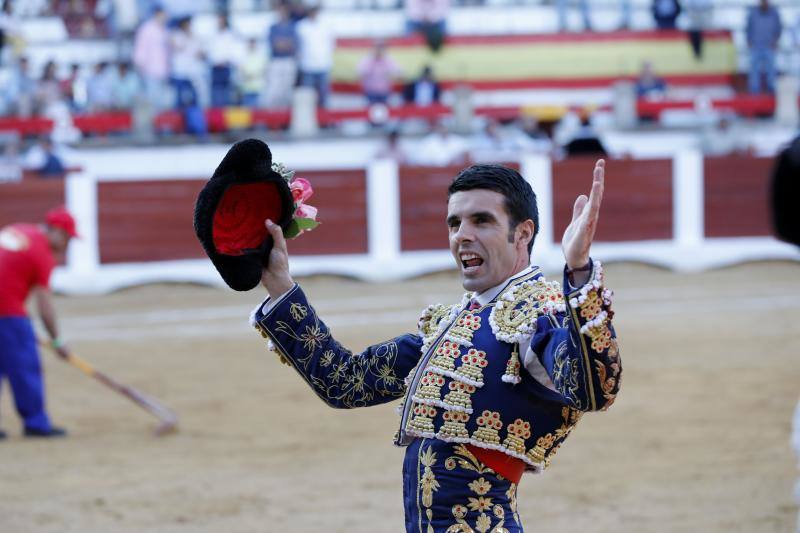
(57, 343)
(279, 287)
(579, 275)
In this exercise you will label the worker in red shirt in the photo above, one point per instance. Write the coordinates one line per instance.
(27, 256)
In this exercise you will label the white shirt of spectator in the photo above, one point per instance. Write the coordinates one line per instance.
(187, 62)
(317, 44)
(440, 149)
(427, 10)
(225, 48)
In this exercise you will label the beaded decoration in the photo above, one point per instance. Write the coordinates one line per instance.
(511, 374)
(518, 432)
(445, 355)
(270, 345)
(460, 396)
(463, 330)
(422, 421)
(454, 427)
(513, 317)
(433, 322)
(593, 302)
(471, 370)
(489, 425)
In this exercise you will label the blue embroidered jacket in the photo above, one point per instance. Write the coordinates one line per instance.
(462, 370)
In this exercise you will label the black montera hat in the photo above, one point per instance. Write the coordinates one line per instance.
(230, 212)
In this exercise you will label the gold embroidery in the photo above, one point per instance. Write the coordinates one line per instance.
(298, 311)
(501, 514)
(327, 358)
(490, 424)
(479, 503)
(428, 482)
(461, 526)
(431, 321)
(483, 523)
(464, 458)
(511, 494)
(480, 486)
(541, 452)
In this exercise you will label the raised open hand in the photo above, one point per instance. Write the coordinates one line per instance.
(579, 234)
(276, 277)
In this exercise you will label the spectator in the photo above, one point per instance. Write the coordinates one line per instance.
(583, 5)
(120, 16)
(73, 89)
(253, 69)
(424, 91)
(625, 14)
(224, 51)
(282, 70)
(763, 31)
(10, 164)
(9, 30)
(378, 71)
(585, 141)
(498, 143)
(491, 145)
(539, 139)
(441, 148)
(21, 90)
(428, 18)
(44, 159)
(126, 87)
(665, 13)
(187, 64)
(699, 13)
(151, 57)
(48, 91)
(648, 85)
(100, 88)
(392, 149)
(316, 54)
(723, 138)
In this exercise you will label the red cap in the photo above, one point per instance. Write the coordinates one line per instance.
(60, 218)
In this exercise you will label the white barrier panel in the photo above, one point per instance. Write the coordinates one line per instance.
(688, 249)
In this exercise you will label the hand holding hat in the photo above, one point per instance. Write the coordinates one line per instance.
(246, 189)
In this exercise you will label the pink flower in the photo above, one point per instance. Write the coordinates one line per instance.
(301, 190)
(306, 211)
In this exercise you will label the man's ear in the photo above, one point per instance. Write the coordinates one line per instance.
(525, 232)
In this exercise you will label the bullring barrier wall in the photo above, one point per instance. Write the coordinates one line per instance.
(381, 220)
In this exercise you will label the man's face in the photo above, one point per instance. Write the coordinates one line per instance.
(59, 240)
(479, 230)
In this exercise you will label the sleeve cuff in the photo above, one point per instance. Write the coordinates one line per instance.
(264, 308)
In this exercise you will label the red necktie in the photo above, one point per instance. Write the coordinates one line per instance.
(474, 304)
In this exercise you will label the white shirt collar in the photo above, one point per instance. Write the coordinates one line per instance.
(490, 294)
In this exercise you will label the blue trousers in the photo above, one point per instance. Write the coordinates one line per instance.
(762, 59)
(320, 82)
(446, 488)
(19, 363)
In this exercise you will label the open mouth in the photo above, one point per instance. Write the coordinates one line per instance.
(470, 261)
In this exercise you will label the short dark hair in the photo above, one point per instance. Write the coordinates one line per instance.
(520, 198)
